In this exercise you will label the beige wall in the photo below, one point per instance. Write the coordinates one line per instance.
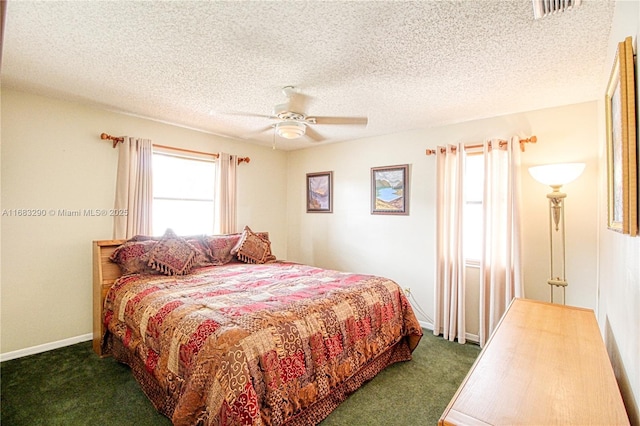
(619, 255)
(53, 158)
(402, 247)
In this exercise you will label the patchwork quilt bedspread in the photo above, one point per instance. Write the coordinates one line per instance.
(256, 344)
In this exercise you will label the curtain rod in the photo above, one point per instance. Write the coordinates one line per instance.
(501, 143)
(117, 139)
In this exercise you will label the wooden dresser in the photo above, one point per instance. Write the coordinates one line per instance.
(544, 365)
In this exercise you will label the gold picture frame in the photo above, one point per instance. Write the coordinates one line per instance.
(622, 146)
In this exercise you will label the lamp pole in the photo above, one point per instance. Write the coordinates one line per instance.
(556, 225)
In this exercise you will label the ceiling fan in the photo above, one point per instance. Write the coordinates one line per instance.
(293, 123)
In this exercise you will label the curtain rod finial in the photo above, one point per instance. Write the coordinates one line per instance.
(113, 138)
(532, 139)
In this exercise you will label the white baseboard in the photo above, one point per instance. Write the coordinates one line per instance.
(45, 347)
(468, 336)
(426, 325)
(472, 337)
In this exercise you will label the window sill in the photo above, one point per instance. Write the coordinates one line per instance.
(472, 263)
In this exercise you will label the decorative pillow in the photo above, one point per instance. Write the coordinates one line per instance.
(172, 255)
(133, 256)
(197, 241)
(252, 248)
(202, 257)
(220, 247)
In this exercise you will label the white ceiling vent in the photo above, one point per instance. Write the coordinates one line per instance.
(543, 8)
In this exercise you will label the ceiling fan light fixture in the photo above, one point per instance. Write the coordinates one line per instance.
(290, 129)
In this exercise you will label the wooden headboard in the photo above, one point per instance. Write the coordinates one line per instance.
(105, 273)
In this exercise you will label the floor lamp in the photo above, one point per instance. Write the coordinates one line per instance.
(556, 175)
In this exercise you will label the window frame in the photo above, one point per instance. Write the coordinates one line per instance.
(190, 156)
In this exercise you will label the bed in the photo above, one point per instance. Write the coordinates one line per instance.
(255, 343)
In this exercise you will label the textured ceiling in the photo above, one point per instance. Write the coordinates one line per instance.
(404, 65)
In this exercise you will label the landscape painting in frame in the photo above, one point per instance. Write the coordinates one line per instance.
(390, 190)
(319, 192)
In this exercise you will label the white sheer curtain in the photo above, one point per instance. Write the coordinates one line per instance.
(225, 195)
(450, 270)
(134, 189)
(500, 266)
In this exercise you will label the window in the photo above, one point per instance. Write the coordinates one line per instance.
(474, 189)
(183, 193)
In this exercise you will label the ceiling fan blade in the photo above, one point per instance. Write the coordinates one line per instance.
(361, 121)
(313, 135)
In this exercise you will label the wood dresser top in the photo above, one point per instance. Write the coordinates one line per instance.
(545, 364)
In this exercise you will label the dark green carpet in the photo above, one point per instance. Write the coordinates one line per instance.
(72, 386)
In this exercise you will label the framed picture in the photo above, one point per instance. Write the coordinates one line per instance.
(390, 190)
(622, 150)
(320, 192)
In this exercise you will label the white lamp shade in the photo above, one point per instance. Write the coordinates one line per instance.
(290, 129)
(557, 174)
